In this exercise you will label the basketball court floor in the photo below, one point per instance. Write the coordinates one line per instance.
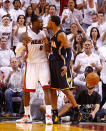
(13, 126)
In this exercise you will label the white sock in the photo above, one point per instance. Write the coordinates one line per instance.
(48, 114)
(27, 110)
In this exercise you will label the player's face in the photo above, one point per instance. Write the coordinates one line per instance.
(50, 24)
(38, 24)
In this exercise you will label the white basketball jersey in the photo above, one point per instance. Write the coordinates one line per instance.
(36, 49)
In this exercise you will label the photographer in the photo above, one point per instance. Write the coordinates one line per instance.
(89, 99)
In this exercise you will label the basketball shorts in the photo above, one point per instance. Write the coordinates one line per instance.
(58, 81)
(35, 73)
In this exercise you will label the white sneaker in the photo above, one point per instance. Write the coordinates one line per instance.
(24, 119)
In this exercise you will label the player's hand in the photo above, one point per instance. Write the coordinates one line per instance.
(79, 66)
(64, 70)
(44, 39)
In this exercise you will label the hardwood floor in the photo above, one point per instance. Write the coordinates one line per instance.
(12, 126)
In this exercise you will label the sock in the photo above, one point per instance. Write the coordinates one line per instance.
(55, 112)
(48, 114)
(27, 110)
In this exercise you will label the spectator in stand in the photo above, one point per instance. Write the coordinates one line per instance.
(14, 82)
(46, 16)
(67, 15)
(103, 8)
(5, 54)
(39, 10)
(16, 11)
(78, 45)
(87, 58)
(6, 30)
(52, 10)
(95, 38)
(90, 7)
(19, 29)
(100, 2)
(5, 9)
(25, 4)
(0, 3)
(100, 24)
(57, 4)
(79, 4)
(94, 23)
(34, 3)
(28, 14)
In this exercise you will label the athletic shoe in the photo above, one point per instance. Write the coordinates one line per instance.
(55, 119)
(77, 117)
(24, 119)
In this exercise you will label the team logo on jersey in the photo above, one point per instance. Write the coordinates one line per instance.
(36, 42)
(53, 44)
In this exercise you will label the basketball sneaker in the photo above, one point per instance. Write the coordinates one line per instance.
(77, 116)
(55, 117)
(24, 119)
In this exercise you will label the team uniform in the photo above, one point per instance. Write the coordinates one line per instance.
(58, 60)
(37, 67)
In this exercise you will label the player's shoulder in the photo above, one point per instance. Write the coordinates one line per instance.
(42, 33)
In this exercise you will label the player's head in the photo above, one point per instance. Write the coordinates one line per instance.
(88, 70)
(53, 21)
(37, 23)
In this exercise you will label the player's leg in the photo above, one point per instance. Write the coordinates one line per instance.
(29, 86)
(54, 106)
(72, 100)
(44, 78)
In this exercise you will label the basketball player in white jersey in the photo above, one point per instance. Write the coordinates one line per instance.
(37, 67)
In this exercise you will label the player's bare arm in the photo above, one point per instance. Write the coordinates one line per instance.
(65, 43)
